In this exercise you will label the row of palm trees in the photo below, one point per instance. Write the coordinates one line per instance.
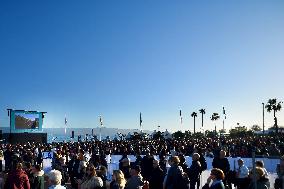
(272, 105)
(214, 117)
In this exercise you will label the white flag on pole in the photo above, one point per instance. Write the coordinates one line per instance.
(65, 122)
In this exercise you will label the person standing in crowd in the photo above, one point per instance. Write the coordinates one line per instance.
(261, 181)
(1, 158)
(136, 179)
(138, 160)
(221, 162)
(175, 176)
(182, 163)
(202, 161)
(17, 178)
(37, 177)
(102, 173)
(91, 181)
(147, 165)
(73, 166)
(54, 180)
(157, 176)
(259, 163)
(2, 181)
(278, 184)
(194, 171)
(216, 177)
(118, 180)
(163, 163)
(39, 158)
(8, 157)
(242, 175)
(124, 166)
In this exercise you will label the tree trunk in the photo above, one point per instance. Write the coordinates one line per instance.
(202, 120)
(275, 122)
(194, 124)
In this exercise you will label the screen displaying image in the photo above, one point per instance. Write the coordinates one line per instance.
(26, 121)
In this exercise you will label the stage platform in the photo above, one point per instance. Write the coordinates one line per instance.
(14, 138)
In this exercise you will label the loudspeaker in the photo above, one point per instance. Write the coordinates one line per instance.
(72, 135)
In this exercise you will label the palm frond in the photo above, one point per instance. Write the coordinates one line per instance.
(194, 114)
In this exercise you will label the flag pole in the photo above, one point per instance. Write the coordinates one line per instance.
(140, 123)
(65, 123)
(224, 117)
(180, 117)
(101, 124)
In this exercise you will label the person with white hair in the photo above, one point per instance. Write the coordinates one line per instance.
(54, 180)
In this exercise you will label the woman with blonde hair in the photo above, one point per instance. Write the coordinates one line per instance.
(261, 181)
(118, 180)
(91, 181)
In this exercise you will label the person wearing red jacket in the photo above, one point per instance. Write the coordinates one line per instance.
(17, 178)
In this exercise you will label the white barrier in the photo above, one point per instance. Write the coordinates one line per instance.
(269, 164)
(113, 161)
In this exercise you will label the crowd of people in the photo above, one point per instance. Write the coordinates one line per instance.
(72, 168)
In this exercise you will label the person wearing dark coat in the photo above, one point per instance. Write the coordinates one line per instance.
(124, 166)
(261, 181)
(222, 163)
(73, 166)
(171, 176)
(163, 163)
(194, 171)
(17, 178)
(8, 158)
(136, 179)
(147, 165)
(157, 176)
(175, 174)
(202, 161)
(39, 158)
(183, 164)
(37, 178)
(216, 177)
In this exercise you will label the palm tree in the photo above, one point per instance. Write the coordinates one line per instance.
(202, 111)
(194, 115)
(215, 117)
(272, 104)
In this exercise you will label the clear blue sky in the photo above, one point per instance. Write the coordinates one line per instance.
(119, 58)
